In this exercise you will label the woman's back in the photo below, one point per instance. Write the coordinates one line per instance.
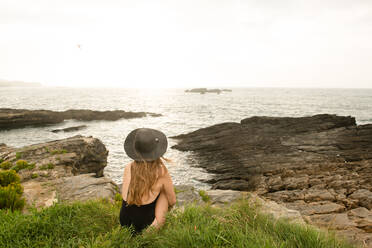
(143, 213)
(147, 189)
(151, 195)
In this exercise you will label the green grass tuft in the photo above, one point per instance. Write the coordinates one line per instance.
(18, 155)
(34, 175)
(205, 197)
(48, 166)
(23, 164)
(62, 151)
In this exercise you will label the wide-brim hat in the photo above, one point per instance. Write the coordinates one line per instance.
(145, 144)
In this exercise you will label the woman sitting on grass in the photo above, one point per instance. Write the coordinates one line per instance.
(147, 190)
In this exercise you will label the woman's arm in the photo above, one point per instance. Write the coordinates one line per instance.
(126, 181)
(169, 188)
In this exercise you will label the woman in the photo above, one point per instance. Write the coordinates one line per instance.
(147, 190)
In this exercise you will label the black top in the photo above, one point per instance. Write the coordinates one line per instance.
(139, 216)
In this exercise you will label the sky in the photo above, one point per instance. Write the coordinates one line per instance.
(190, 43)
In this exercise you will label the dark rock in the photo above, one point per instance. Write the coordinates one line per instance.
(70, 129)
(313, 148)
(205, 90)
(17, 118)
(320, 165)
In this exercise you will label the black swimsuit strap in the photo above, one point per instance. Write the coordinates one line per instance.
(147, 203)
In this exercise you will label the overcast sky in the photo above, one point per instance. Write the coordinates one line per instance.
(135, 43)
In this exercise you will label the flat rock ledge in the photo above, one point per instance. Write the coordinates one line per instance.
(65, 170)
(18, 118)
(188, 194)
(320, 165)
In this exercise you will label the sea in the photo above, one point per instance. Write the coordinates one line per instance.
(181, 113)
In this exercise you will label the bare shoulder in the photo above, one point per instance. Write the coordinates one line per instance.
(163, 171)
(127, 169)
(127, 166)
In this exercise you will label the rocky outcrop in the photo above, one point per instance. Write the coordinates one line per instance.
(17, 118)
(85, 187)
(188, 194)
(67, 169)
(70, 129)
(319, 165)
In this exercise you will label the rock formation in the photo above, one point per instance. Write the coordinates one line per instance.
(70, 129)
(17, 118)
(67, 169)
(205, 90)
(320, 165)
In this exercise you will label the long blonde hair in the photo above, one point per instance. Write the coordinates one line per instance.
(143, 177)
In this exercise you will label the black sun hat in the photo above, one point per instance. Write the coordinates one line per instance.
(145, 144)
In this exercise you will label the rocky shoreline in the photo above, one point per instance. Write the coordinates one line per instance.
(319, 165)
(18, 118)
(314, 170)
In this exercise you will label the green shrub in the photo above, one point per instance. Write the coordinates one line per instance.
(1, 160)
(63, 151)
(34, 175)
(6, 165)
(47, 166)
(7, 177)
(205, 197)
(23, 164)
(18, 155)
(118, 198)
(10, 191)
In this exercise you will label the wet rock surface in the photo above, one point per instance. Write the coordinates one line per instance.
(18, 118)
(69, 129)
(64, 170)
(319, 165)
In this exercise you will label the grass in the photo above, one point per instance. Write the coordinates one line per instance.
(96, 224)
(34, 175)
(205, 197)
(18, 155)
(23, 164)
(62, 151)
(48, 166)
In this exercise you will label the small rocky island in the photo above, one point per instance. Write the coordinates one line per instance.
(205, 90)
(18, 118)
(319, 165)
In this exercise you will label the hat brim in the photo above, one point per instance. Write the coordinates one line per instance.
(157, 152)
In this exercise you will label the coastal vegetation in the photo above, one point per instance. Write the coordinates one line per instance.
(23, 164)
(96, 224)
(48, 166)
(11, 191)
(19, 165)
(204, 196)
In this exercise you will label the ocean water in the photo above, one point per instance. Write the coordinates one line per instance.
(182, 112)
